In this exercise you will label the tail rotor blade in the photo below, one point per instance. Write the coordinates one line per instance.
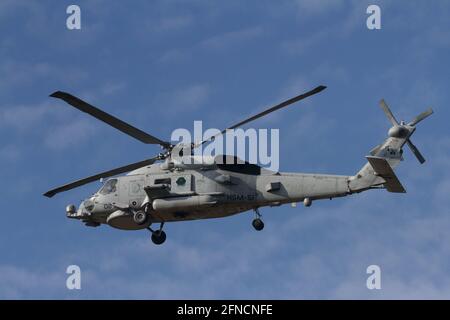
(420, 117)
(388, 112)
(415, 151)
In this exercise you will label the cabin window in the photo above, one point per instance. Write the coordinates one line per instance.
(162, 181)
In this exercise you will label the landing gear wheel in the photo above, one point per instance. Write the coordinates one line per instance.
(140, 217)
(258, 224)
(158, 237)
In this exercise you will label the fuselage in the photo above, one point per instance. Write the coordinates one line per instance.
(204, 192)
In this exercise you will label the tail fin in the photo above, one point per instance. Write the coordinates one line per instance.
(378, 171)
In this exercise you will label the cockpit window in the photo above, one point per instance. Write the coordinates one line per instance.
(109, 187)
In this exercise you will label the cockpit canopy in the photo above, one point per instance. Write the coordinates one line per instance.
(108, 187)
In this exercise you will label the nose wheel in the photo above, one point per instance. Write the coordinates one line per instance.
(158, 236)
(257, 223)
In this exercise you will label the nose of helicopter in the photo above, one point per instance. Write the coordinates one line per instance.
(88, 205)
(95, 204)
(85, 208)
(73, 212)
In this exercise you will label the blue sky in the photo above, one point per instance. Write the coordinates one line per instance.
(160, 65)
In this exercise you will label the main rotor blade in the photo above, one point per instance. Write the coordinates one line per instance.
(106, 174)
(415, 151)
(421, 116)
(109, 119)
(265, 112)
(388, 112)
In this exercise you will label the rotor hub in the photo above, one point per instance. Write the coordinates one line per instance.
(398, 131)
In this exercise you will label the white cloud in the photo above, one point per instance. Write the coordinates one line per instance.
(186, 99)
(217, 42)
(111, 88)
(314, 7)
(19, 283)
(192, 96)
(15, 73)
(65, 135)
(174, 55)
(44, 124)
(232, 38)
(25, 117)
(10, 153)
(18, 74)
(174, 23)
(302, 45)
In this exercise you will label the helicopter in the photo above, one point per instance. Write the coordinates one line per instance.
(164, 189)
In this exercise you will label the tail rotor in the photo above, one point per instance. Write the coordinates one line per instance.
(403, 130)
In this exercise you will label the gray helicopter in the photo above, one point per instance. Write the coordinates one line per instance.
(214, 187)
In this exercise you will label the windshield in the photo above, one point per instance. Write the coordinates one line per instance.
(109, 187)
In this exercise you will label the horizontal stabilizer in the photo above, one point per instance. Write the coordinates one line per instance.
(384, 170)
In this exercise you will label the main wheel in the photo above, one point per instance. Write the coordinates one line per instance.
(158, 237)
(140, 217)
(258, 224)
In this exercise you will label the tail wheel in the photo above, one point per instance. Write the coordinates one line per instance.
(158, 237)
(258, 224)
